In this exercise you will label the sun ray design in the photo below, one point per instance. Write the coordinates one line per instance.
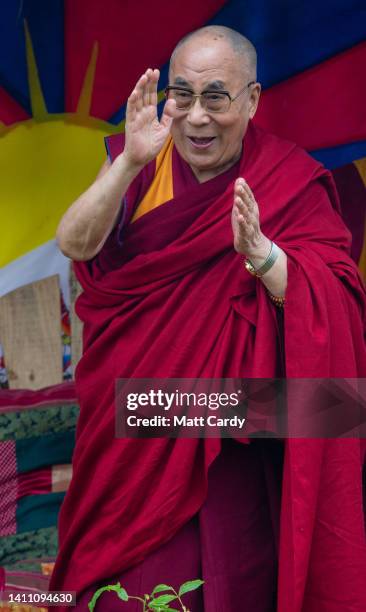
(85, 99)
(45, 141)
(48, 159)
(38, 105)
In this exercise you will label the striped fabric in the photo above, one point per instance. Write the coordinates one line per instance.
(37, 431)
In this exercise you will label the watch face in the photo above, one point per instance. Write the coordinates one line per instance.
(249, 267)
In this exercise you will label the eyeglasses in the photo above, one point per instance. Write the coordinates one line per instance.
(211, 101)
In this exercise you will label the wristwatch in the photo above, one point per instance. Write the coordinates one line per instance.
(267, 265)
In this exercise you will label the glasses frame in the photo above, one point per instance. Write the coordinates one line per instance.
(207, 91)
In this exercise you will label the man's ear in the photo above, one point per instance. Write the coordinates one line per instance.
(254, 99)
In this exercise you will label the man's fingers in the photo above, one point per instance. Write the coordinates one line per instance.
(146, 90)
(170, 108)
(240, 191)
(134, 102)
(239, 183)
(168, 113)
(248, 190)
(153, 87)
(144, 93)
(243, 217)
(140, 90)
(242, 206)
(248, 194)
(244, 191)
(166, 121)
(239, 204)
(131, 106)
(244, 213)
(243, 225)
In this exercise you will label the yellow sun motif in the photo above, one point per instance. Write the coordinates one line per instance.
(46, 162)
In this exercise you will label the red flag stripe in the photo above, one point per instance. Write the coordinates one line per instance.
(321, 107)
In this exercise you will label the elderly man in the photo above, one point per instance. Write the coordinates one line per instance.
(186, 279)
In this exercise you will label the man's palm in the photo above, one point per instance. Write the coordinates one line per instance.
(145, 134)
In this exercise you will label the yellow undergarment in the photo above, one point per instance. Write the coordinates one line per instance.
(161, 189)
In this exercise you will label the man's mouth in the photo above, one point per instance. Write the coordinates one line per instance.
(201, 142)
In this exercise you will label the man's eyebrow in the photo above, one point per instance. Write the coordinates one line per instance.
(182, 82)
(214, 85)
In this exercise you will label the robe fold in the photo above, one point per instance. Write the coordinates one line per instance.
(169, 297)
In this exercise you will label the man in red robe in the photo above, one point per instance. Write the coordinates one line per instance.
(187, 279)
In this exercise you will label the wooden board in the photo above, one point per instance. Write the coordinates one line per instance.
(30, 333)
(75, 323)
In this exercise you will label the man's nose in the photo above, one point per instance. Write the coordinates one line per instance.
(197, 115)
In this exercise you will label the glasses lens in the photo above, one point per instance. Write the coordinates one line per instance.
(216, 102)
(183, 98)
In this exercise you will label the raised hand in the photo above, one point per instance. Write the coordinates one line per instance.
(145, 134)
(248, 238)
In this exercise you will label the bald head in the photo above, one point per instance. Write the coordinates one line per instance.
(242, 47)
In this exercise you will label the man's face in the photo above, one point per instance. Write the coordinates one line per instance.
(211, 142)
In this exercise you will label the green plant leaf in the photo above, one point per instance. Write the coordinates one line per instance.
(121, 592)
(164, 609)
(159, 602)
(191, 585)
(161, 587)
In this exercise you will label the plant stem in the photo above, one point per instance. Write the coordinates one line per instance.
(139, 599)
(179, 599)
